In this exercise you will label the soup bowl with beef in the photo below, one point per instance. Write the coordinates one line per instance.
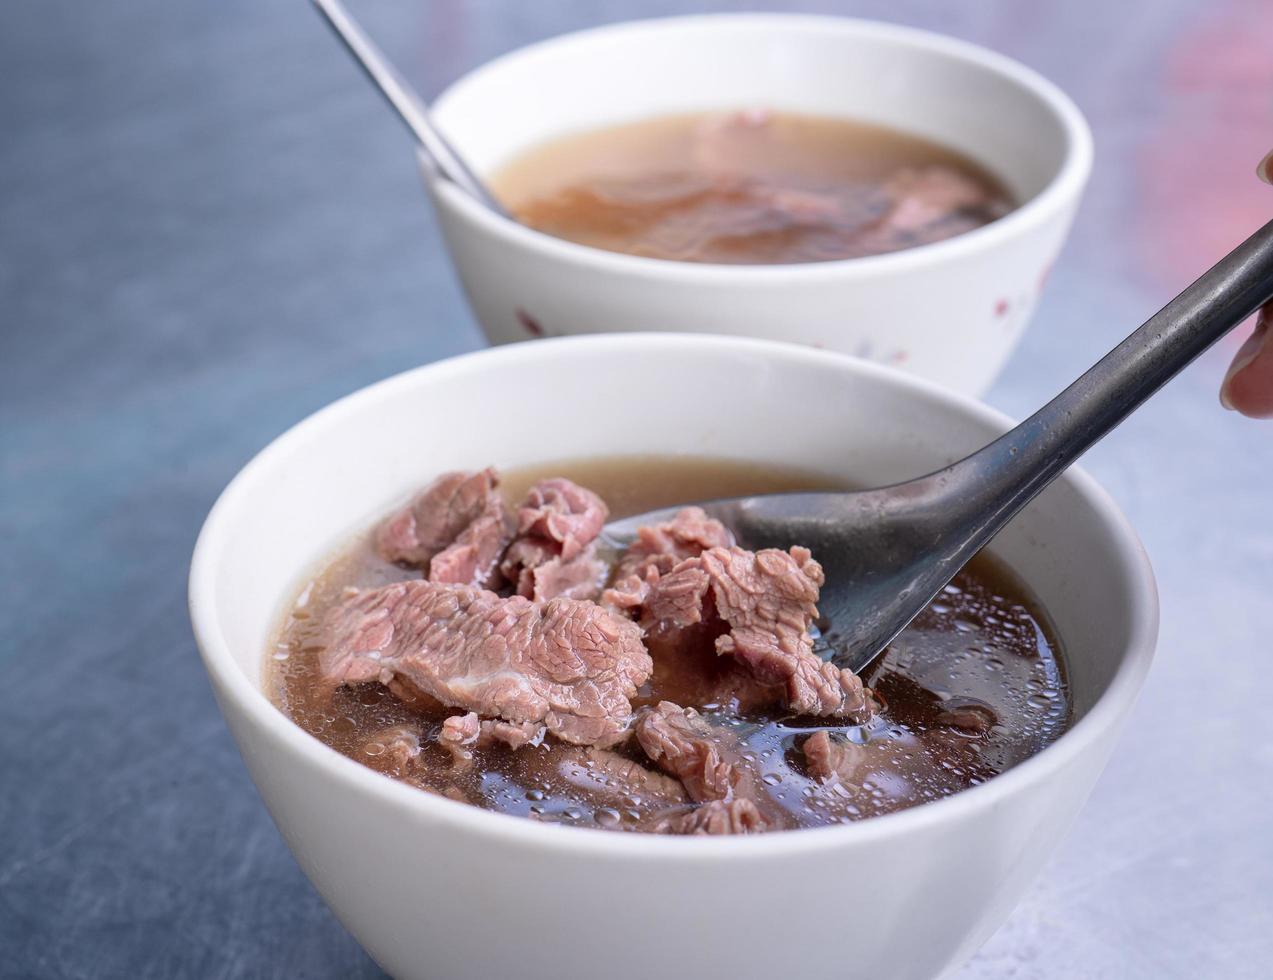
(861, 187)
(502, 759)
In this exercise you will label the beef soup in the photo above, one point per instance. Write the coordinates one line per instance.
(754, 187)
(480, 644)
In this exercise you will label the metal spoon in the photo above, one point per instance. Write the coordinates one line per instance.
(409, 106)
(888, 552)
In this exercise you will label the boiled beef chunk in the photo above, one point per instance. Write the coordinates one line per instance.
(392, 751)
(414, 698)
(455, 530)
(537, 571)
(709, 763)
(571, 666)
(768, 600)
(828, 759)
(658, 548)
(969, 716)
(705, 759)
(931, 203)
(563, 512)
(629, 593)
(554, 552)
(544, 577)
(514, 735)
(461, 734)
(715, 817)
(615, 776)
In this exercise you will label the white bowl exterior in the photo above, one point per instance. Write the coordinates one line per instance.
(940, 322)
(951, 312)
(429, 899)
(439, 889)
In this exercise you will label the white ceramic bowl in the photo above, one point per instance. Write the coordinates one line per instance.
(951, 311)
(434, 888)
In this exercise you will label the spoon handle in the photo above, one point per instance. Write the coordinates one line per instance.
(404, 101)
(1000, 479)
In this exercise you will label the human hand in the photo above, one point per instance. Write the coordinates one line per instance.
(1248, 386)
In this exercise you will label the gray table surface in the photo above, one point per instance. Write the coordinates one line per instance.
(209, 227)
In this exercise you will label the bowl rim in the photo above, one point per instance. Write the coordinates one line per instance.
(229, 681)
(1060, 193)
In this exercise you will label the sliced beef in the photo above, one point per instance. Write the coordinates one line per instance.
(462, 734)
(934, 202)
(554, 553)
(563, 512)
(828, 759)
(414, 698)
(569, 665)
(514, 735)
(580, 578)
(968, 715)
(708, 761)
(537, 570)
(657, 549)
(715, 817)
(618, 778)
(455, 530)
(459, 735)
(629, 593)
(768, 600)
(705, 759)
(663, 546)
(392, 751)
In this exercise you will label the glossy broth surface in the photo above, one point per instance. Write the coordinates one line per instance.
(749, 187)
(974, 686)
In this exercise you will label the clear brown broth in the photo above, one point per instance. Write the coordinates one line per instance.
(984, 643)
(734, 187)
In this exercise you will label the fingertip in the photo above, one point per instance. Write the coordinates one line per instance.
(1248, 387)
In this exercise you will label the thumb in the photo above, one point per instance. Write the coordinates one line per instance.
(1248, 387)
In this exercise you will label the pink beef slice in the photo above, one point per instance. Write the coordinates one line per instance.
(768, 600)
(828, 759)
(554, 552)
(541, 574)
(602, 772)
(392, 751)
(715, 817)
(571, 666)
(456, 530)
(563, 512)
(658, 548)
(461, 734)
(935, 201)
(708, 762)
(683, 744)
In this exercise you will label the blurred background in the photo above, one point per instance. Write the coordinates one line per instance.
(210, 226)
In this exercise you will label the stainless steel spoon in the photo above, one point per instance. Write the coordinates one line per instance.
(888, 552)
(409, 106)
